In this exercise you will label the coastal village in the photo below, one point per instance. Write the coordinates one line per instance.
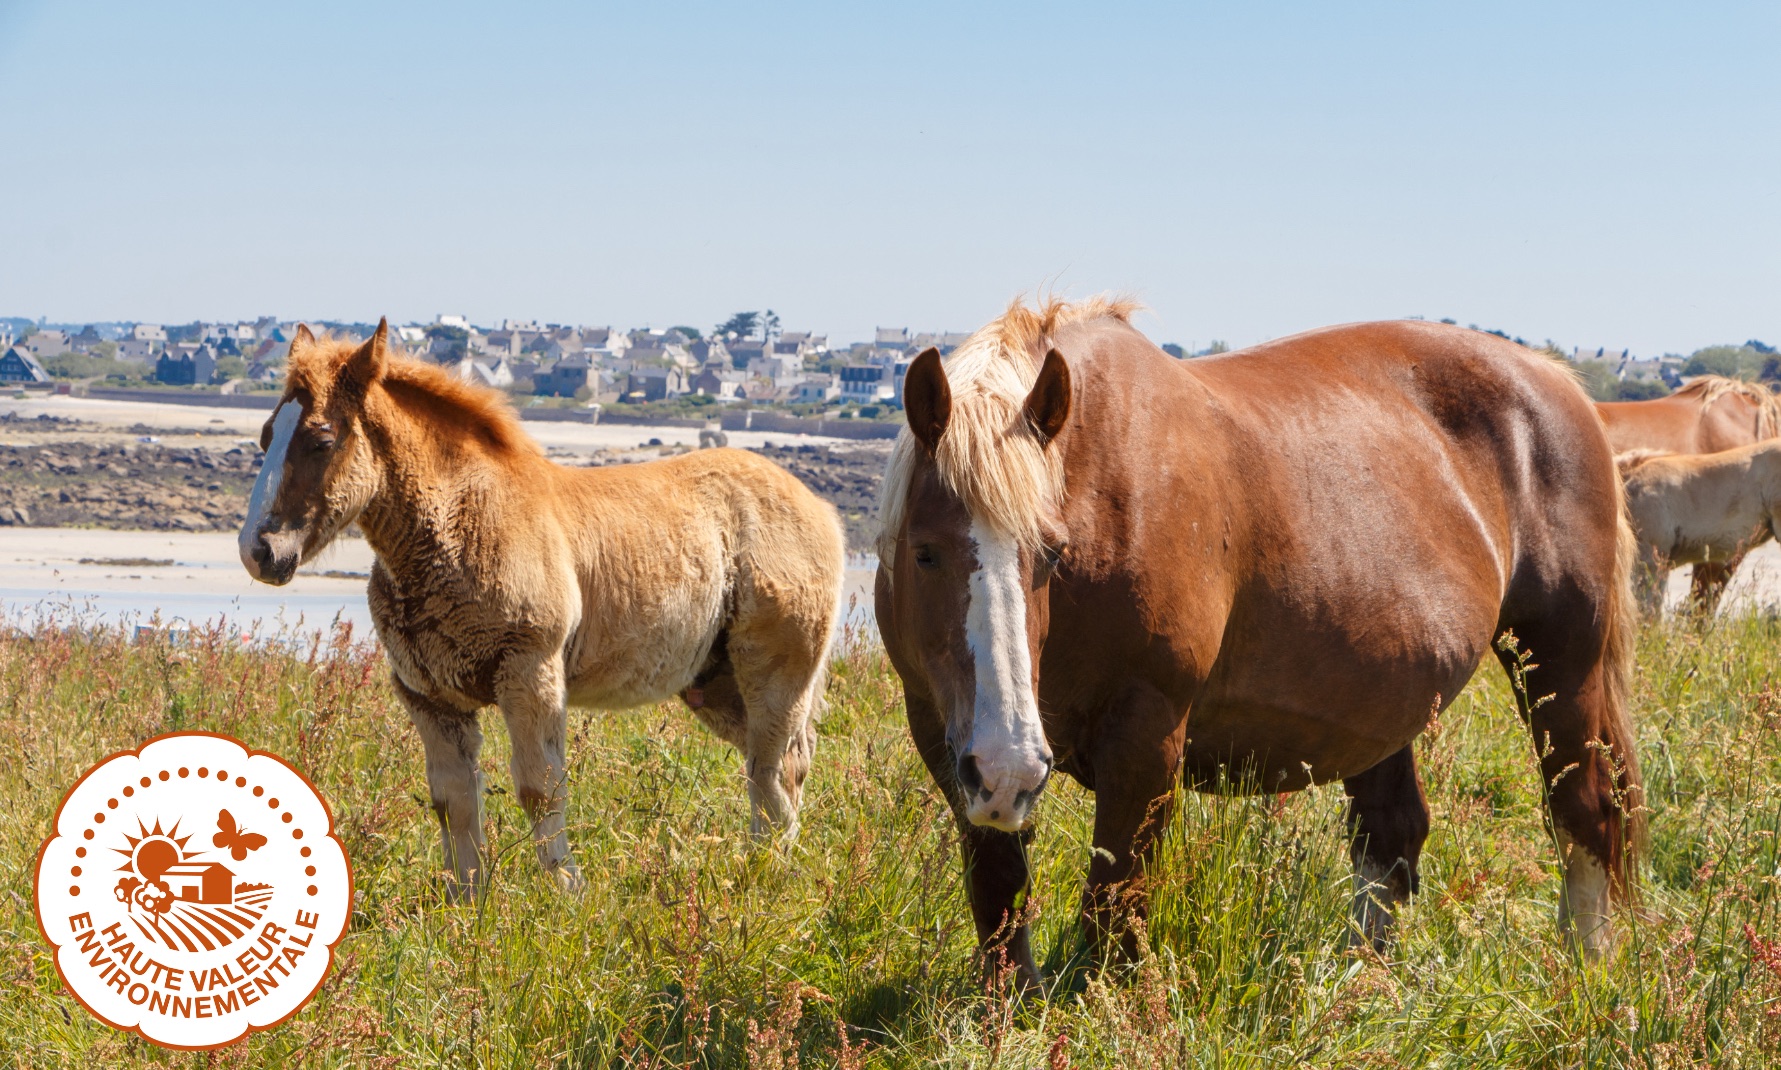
(748, 360)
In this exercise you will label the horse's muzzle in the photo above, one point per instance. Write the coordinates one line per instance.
(272, 557)
(1002, 794)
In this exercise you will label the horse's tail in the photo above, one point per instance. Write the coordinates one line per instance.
(1621, 638)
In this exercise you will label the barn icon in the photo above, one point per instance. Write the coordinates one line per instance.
(200, 882)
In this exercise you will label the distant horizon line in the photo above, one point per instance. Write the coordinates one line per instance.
(44, 323)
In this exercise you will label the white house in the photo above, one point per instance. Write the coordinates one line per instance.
(138, 350)
(47, 344)
(866, 384)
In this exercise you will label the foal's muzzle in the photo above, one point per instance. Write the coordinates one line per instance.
(272, 557)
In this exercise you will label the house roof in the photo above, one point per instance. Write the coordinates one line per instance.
(195, 869)
(30, 360)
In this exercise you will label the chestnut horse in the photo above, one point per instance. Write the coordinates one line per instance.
(502, 578)
(1277, 564)
(1709, 414)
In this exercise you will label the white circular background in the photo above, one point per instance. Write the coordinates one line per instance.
(194, 803)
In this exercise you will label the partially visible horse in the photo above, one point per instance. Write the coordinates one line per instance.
(1688, 509)
(1710, 413)
(1277, 564)
(502, 578)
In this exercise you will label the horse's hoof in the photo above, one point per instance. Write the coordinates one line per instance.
(568, 879)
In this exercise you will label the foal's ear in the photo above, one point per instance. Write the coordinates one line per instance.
(302, 338)
(1048, 405)
(366, 365)
(927, 399)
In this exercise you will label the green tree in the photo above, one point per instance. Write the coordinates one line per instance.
(741, 325)
(457, 339)
(1717, 360)
(228, 368)
(77, 365)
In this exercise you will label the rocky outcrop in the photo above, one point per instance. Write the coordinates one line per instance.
(140, 486)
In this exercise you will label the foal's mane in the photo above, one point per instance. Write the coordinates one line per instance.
(464, 407)
(990, 455)
(1710, 388)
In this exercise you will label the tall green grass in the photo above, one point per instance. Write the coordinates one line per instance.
(690, 947)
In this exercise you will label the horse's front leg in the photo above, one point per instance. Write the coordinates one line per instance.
(533, 699)
(1136, 757)
(452, 740)
(995, 861)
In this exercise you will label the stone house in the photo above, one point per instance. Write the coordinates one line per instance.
(47, 344)
(184, 365)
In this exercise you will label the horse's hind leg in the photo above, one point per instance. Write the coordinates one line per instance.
(781, 670)
(532, 699)
(452, 740)
(1388, 820)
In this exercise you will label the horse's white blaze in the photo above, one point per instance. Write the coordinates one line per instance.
(1007, 738)
(284, 425)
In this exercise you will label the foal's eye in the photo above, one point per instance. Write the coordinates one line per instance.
(924, 556)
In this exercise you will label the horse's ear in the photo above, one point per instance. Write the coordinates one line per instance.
(366, 365)
(1048, 405)
(303, 338)
(927, 399)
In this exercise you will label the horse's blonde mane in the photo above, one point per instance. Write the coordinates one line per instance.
(465, 404)
(1632, 459)
(990, 455)
(1710, 388)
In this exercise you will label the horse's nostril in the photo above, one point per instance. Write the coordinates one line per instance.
(970, 777)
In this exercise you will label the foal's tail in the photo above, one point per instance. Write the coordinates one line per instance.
(1628, 841)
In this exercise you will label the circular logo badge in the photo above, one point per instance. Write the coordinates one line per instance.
(193, 890)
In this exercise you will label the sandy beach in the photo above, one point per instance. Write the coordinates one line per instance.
(196, 577)
(246, 423)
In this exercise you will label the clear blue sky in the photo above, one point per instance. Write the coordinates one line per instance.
(1595, 173)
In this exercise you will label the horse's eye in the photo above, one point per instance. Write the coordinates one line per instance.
(1049, 556)
(924, 556)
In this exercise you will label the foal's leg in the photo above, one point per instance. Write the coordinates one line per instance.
(533, 701)
(780, 672)
(1388, 820)
(995, 861)
(452, 739)
(1651, 582)
(1708, 581)
(1136, 757)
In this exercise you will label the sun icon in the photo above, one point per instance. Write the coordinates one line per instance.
(153, 850)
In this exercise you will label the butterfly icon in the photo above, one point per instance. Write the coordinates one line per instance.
(237, 841)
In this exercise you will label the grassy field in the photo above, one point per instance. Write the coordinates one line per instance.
(853, 949)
